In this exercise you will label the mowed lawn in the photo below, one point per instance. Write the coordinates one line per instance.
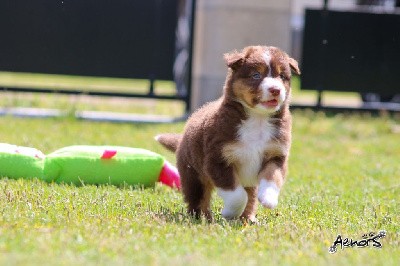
(344, 178)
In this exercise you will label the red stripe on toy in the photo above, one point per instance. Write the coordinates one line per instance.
(108, 154)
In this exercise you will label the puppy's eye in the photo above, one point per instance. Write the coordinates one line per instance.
(283, 77)
(256, 76)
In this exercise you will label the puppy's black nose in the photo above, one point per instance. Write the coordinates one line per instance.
(274, 91)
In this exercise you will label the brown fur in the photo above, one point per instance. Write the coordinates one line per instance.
(170, 140)
(205, 152)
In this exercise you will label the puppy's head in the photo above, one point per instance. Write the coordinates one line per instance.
(259, 78)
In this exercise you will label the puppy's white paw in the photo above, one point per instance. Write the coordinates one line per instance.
(234, 202)
(268, 194)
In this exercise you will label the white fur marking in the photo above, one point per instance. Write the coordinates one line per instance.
(269, 83)
(267, 59)
(268, 194)
(234, 202)
(255, 134)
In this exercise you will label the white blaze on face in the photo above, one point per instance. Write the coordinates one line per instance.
(267, 59)
(268, 83)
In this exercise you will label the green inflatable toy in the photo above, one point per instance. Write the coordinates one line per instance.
(85, 164)
(103, 165)
(20, 162)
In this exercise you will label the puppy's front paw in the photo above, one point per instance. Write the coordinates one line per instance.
(234, 202)
(268, 194)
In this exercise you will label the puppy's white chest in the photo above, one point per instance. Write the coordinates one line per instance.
(254, 137)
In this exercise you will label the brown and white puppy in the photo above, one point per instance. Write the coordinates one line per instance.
(239, 143)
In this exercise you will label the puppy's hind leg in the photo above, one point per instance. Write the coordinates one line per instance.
(195, 193)
(205, 205)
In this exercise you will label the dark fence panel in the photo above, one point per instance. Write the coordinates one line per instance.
(118, 38)
(351, 51)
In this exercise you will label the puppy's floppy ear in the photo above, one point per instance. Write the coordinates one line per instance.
(294, 66)
(234, 60)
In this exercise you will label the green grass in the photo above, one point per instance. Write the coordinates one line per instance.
(344, 178)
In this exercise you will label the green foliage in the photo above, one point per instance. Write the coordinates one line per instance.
(344, 178)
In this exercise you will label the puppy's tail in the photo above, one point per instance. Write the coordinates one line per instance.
(169, 140)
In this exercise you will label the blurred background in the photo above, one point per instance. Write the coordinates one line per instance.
(166, 57)
(344, 45)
